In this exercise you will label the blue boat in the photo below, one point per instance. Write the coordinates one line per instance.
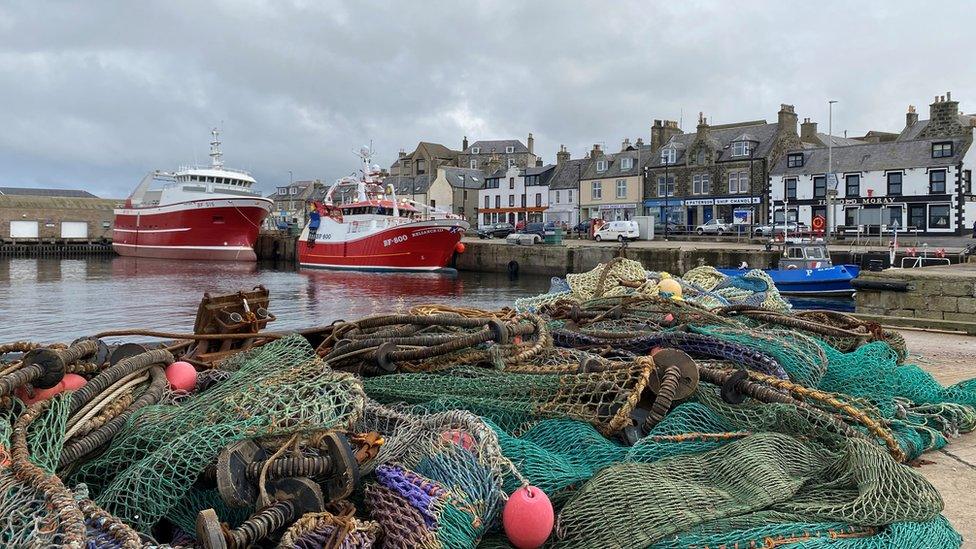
(805, 269)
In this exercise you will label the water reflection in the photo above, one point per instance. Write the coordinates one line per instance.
(57, 300)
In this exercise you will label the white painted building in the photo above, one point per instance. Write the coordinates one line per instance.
(922, 181)
(514, 195)
(564, 197)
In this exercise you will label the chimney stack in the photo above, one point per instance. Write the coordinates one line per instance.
(808, 132)
(943, 118)
(538, 162)
(787, 119)
(562, 156)
(911, 117)
(702, 126)
(531, 144)
(662, 131)
(464, 143)
(625, 145)
(596, 152)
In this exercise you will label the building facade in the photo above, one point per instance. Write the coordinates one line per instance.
(611, 186)
(717, 172)
(493, 155)
(291, 203)
(425, 159)
(515, 195)
(55, 215)
(564, 205)
(456, 190)
(920, 182)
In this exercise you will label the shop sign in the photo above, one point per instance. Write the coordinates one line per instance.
(618, 206)
(700, 202)
(655, 203)
(737, 200)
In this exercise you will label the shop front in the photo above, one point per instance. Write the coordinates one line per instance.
(672, 209)
(731, 209)
(618, 212)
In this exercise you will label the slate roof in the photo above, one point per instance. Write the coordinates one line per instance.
(464, 178)
(890, 155)
(62, 193)
(566, 176)
(499, 145)
(544, 172)
(644, 156)
(912, 132)
(722, 136)
(407, 185)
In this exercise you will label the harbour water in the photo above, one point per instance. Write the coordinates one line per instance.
(48, 299)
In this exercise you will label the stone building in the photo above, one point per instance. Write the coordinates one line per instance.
(290, 203)
(720, 171)
(493, 155)
(424, 160)
(55, 215)
(456, 190)
(515, 195)
(921, 181)
(564, 189)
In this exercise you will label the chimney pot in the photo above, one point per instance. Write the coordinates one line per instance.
(948, 96)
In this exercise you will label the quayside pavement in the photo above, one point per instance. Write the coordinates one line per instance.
(950, 358)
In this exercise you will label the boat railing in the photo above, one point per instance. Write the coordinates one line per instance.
(918, 261)
(210, 167)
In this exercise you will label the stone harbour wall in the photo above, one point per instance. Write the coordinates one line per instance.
(936, 293)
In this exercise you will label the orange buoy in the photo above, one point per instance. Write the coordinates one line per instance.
(528, 518)
(459, 247)
(182, 376)
(73, 382)
(671, 286)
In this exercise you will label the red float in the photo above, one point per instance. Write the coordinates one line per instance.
(73, 382)
(182, 376)
(528, 518)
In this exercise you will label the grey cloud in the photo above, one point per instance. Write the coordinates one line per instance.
(95, 94)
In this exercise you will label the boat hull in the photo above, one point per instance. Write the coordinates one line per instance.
(220, 229)
(421, 246)
(830, 281)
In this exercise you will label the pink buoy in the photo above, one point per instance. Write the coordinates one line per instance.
(73, 382)
(668, 319)
(38, 394)
(459, 437)
(528, 518)
(182, 376)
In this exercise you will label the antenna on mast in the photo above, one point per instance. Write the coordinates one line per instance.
(215, 155)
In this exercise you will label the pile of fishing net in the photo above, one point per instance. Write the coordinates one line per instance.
(630, 408)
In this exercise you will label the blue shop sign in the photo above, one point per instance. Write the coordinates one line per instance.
(660, 202)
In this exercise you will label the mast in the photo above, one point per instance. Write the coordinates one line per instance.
(215, 155)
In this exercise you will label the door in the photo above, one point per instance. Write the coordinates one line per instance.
(23, 229)
(706, 214)
(916, 217)
(693, 216)
(74, 229)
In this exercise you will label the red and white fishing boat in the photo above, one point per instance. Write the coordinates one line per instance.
(206, 212)
(377, 232)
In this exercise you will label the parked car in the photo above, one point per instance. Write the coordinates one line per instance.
(618, 230)
(534, 228)
(672, 228)
(780, 228)
(715, 226)
(582, 228)
(496, 230)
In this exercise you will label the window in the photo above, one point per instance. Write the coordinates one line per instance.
(421, 166)
(487, 202)
(850, 217)
(665, 189)
(509, 149)
(853, 182)
(700, 184)
(293, 190)
(601, 165)
(282, 191)
(738, 182)
(511, 182)
(433, 203)
(473, 164)
(967, 181)
(794, 160)
(916, 216)
(939, 216)
(511, 201)
(523, 200)
(491, 183)
(894, 216)
(621, 188)
(557, 197)
(538, 200)
(475, 150)
(487, 218)
(789, 190)
(596, 190)
(511, 162)
(942, 150)
(498, 201)
(570, 198)
(937, 181)
(819, 186)
(700, 157)
(668, 155)
(740, 148)
(626, 163)
(894, 184)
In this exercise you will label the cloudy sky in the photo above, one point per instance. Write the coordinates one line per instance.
(95, 94)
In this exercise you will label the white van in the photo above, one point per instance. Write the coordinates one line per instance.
(618, 230)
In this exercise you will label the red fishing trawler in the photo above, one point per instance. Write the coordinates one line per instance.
(194, 213)
(377, 232)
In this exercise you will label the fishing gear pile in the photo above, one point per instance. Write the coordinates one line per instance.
(623, 408)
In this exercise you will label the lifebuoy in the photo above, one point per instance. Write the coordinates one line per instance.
(818, 223)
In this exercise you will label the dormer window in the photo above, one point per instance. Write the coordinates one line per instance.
(282, 190)
(942, 150)
(668, 155)
(626, 163)
(475, 150)
(740, 148)
(601, 165)
(794, 160)
(511, 163)
(509, 149)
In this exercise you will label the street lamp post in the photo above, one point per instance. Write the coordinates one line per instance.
(831, 190)
(667, 207)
